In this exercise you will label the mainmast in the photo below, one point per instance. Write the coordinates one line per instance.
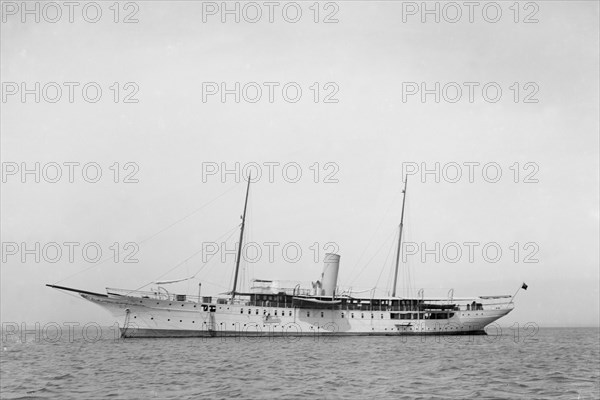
(239, 254)
(399, 238)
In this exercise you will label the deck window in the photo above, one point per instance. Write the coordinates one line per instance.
(290, 313)
(241, 310)
(308, 313)
(249, 311)
(351, 315)
(342, 315)
(322, 314)
(257, 311)
(275, 312)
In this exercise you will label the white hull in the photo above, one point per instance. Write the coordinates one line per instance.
(149, 317)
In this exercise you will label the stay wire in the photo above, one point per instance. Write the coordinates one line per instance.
(230, 232)
(151, 236)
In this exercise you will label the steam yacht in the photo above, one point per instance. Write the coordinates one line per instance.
(267, 309)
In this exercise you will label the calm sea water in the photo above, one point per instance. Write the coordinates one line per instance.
(553, 364)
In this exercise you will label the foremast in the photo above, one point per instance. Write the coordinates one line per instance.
(399, 250)
(241, 243)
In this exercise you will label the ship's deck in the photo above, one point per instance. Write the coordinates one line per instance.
(289, 301)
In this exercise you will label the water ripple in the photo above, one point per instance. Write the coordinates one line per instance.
(557, 363)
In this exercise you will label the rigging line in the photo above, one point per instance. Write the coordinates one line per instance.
(377, 252)
(384, 263)
(253, 237)
(407, 287)
(389, 278)
(405, 283)
(190, 214)
(383, 218)
(404, 260)
(152, 236)
(245, 262)
(187, 272)
(226, 240)
(216, 284)
(230, 232)
(390, 275)
(230, 280)
(405, 276)
(410, 284)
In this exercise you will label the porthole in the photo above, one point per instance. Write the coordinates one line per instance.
(180, 321)
(134, 316)
(168, 319)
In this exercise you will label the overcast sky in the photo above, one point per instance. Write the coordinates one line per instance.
(171, 134)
